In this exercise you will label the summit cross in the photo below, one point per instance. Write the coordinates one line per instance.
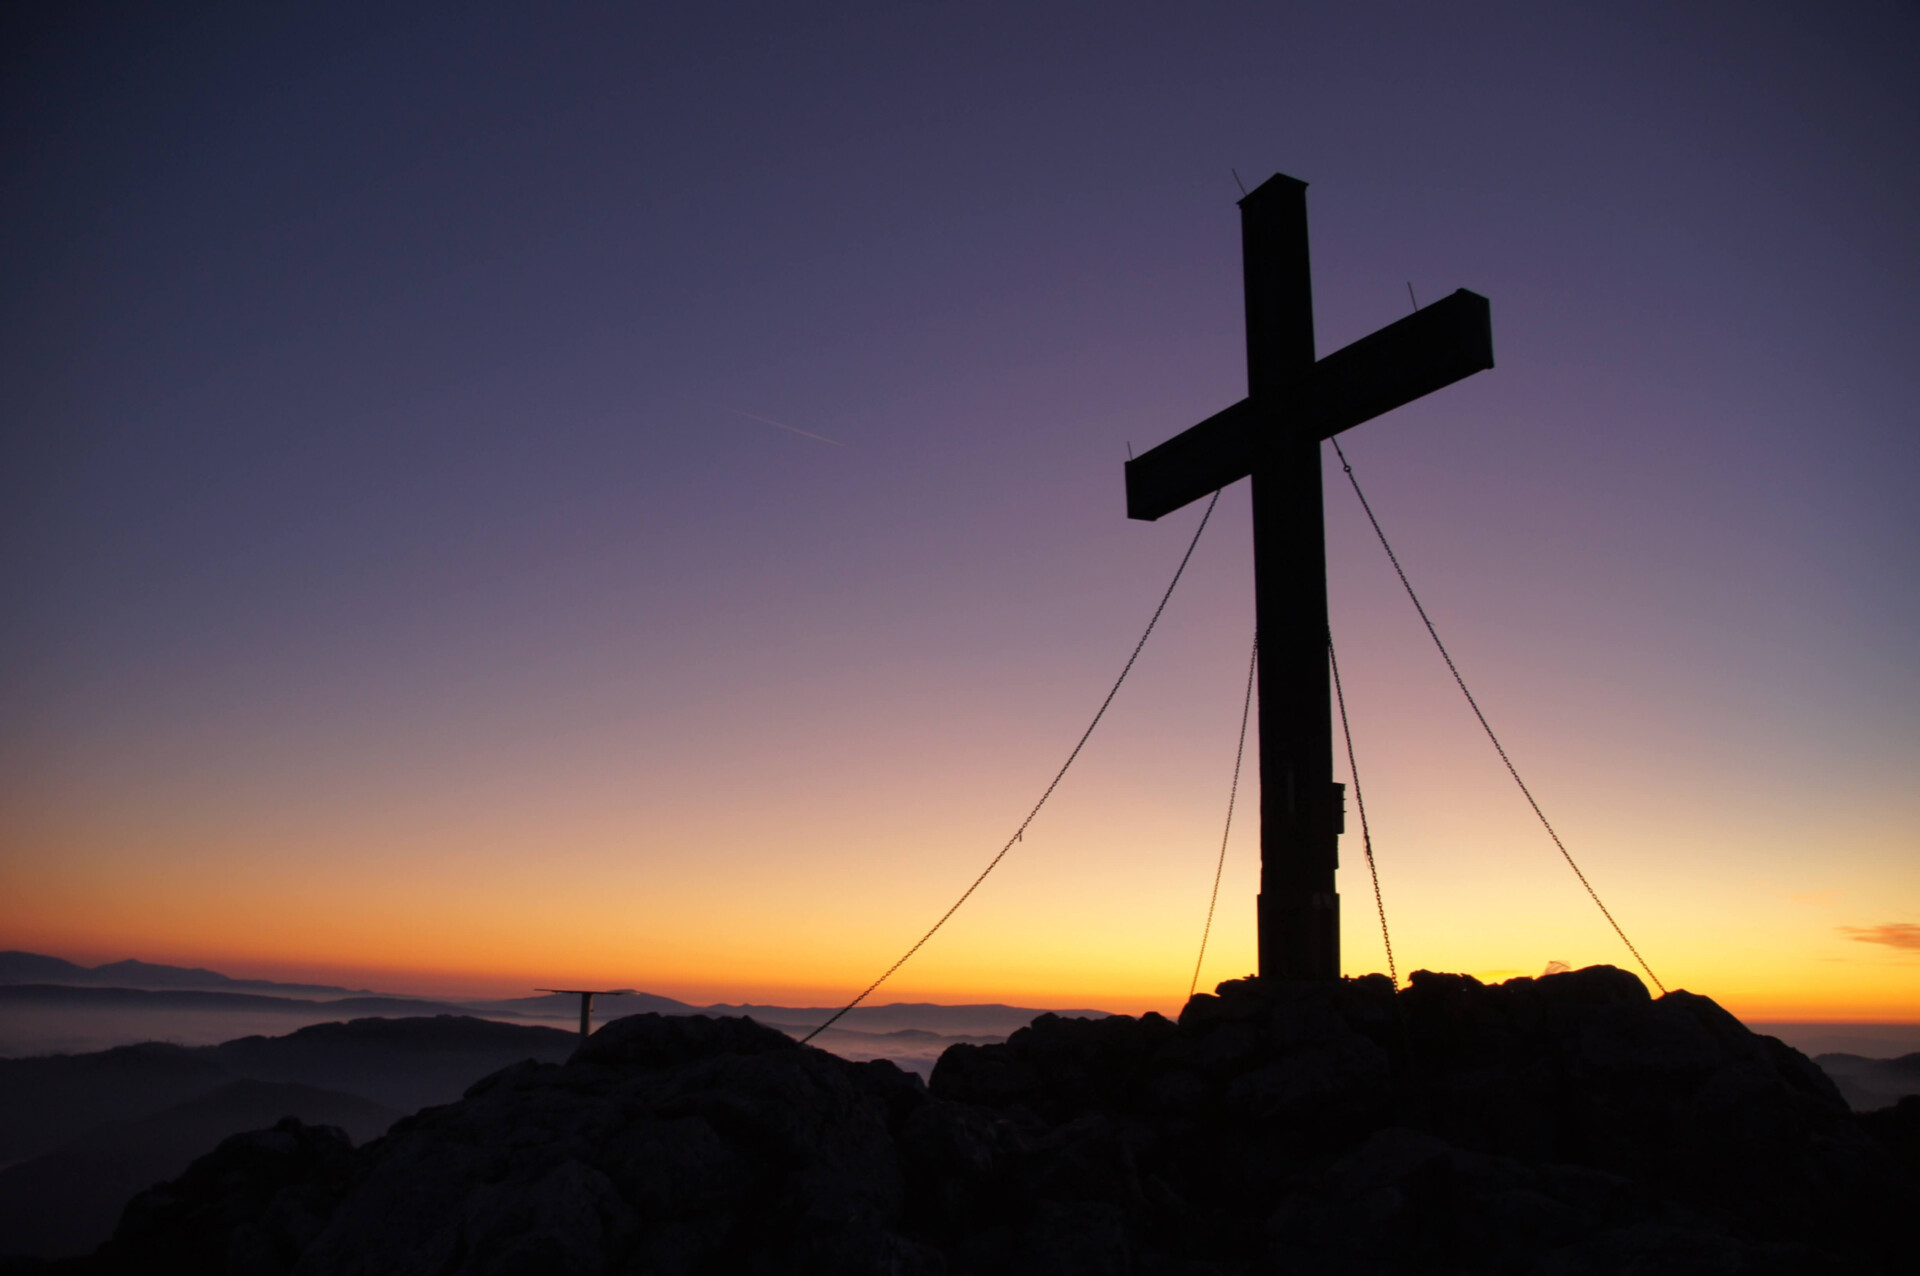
(1274, 436)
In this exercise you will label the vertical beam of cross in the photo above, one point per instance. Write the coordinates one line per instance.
(1298, 911)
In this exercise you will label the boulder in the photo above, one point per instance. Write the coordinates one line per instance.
(253, 1204)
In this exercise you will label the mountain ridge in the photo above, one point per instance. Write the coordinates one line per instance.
(1570, 1124)
(67, 1200)
(86, 1132)
(37, 979)
(18, 967)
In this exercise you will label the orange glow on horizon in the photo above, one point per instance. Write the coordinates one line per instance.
(454, 850)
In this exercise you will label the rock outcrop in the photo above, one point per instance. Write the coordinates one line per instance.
(68, 1201)
(1569, 1124)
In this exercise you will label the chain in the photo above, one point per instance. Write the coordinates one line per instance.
(1019, 834)
(1359, 801)
(1475, 706)
(1239, 752)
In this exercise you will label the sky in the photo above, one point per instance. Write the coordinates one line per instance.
(510, 495)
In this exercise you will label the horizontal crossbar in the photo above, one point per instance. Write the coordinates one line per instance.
(1446, 342)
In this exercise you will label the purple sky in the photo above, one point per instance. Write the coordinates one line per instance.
(401, 566)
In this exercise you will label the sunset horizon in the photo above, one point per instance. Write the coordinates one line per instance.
(504, 983)
(640, 499)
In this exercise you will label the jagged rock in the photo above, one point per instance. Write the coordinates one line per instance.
(659, 1041)
(67, 1201)
(250, 1206)
(1897, 1129)
(1406, 1199)
(699, 1141)
(1263, 1083)
(1570, 1124)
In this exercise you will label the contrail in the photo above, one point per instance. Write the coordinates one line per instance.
(781, 425)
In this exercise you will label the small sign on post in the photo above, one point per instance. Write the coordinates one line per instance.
(586, 996)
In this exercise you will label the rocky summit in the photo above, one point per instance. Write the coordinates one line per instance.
(1567, 1124)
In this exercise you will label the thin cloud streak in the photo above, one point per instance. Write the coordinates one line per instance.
(1893, 935)
(792, 429)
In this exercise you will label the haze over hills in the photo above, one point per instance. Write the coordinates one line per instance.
(1871, 1084)
(49, 1004)
(52, 1005)
(80, 1134)
(67, 1201)
(42, 1019)
(992, 1019)
(1570, 1123)
(401, 1064)
(78, 1130)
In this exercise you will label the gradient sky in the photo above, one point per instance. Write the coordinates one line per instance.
(426, 564)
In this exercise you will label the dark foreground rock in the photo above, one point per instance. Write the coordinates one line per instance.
(68, 1201)
(1563, 1125)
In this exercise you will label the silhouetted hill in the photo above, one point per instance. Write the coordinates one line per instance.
(36, 968)
(564, 1006)
(1875, 1040)
(50, 1004)
(67, 1201)
(46, 1101)
(1568, 1124)
(94, 1129)
(991, 1020)
(914, 1049)
(25, 995)
(402, 1064)
(1868, 1084)
(1898, 1129)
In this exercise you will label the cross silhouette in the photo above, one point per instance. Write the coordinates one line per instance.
(1274, 436)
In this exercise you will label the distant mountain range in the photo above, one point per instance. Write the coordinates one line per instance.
(67, 996)
(33, 979)
(37, 968)
(1870, 1084)
(990, 1020)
